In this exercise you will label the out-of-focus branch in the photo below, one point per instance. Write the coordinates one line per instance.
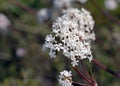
(105, 68)
(105, 13)
(24, 7)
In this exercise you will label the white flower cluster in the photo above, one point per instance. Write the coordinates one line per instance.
(65, 78)
(111, 4)
(72, 33)
(4, 22)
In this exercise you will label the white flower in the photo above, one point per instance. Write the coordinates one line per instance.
(20, 52)
(65, 78)
(62, 4)
(74, 61)
(49, 38)
(52, 53)
(4, 22)
(82, 1)
(111, 4)
(66, 73)
(72, 33)
(43, 15)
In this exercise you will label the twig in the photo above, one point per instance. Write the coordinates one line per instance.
(91, 82)
(105, 13)
(24, 7)
(85, 70)
(79, 84)
(106, 69)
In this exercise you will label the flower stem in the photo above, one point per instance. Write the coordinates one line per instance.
(105, 68)
(79, 84)
(83, 76)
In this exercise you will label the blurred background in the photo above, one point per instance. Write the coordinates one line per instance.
(23, 27)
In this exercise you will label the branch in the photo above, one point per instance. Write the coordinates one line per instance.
(79, 84)
(24, 7)
(105, 68)
(91, 82)
(106, 13)
(84, 69)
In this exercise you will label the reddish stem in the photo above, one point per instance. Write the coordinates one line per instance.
(83, 76)
(79, 84)
(85, 70)
(105, 68)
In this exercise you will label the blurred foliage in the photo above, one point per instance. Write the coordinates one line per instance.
(18, 82)
(35, 68)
